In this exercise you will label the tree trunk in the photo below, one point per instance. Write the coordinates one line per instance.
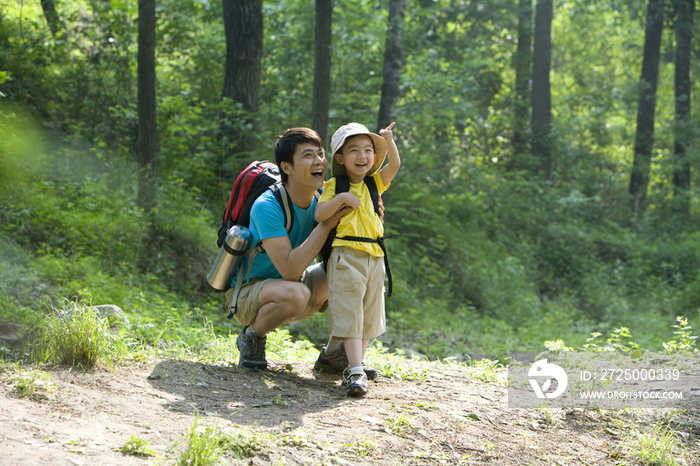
(541, 94)
(681, 166)
(147, 145)
(51, 15)
(522, 62)
(646, 106)
(243, 23)
(322, 69)
(392, 64)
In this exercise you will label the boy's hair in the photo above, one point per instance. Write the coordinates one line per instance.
(286, 145)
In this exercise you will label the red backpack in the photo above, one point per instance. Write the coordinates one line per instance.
(257, 178)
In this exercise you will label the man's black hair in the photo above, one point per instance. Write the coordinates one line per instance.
(286, 145)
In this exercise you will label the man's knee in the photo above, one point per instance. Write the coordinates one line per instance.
(297, 298)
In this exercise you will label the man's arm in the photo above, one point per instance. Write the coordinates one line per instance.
(291, 263)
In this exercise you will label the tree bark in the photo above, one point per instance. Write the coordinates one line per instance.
(51, 15)
(541, 93)
(644, 139)
(243, 23)
(147, 145)
(392, 64)
(685, 10)
(322, 68)
(522, 62)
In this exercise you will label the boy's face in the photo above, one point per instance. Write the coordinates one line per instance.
(309, 167)
(357, 155)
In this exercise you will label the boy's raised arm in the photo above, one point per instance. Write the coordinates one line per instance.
(393, 160)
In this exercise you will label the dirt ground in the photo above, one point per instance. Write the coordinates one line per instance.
(449, 419)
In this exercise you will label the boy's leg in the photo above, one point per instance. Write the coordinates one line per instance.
(334, 357)
(354, 349)
(354, 376)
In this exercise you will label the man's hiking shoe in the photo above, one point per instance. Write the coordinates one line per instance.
(252, 350)
(337, 361)
(356, 383)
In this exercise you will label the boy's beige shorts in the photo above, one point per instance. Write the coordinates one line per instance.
(249, 304)
(356, 294)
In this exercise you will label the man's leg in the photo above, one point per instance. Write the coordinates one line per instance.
(277, 302)
(281, 302)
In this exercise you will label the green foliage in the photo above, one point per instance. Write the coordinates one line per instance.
(685, 341)
(486, 260)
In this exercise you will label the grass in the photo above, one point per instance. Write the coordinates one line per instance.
(137, 446)
(78, 336)
(202, 446)
(243, 443)
(361, 448)
(661, 447)
(399, 425)
(35, 384)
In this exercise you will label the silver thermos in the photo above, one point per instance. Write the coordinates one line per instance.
(229, 257)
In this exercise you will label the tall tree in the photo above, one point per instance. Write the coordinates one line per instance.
(541, 93)
(322, 68)
(685, 10)
(644, 139)
(522, 62)
(147, 145)
(243, 23)
(51, 15)
(392, 64)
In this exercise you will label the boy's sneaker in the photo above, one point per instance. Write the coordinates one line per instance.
(337, 361)
(252, 350)
(356, 383)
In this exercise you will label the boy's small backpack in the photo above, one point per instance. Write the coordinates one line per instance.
(342, 185)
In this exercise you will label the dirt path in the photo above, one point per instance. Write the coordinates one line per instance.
(304, 416)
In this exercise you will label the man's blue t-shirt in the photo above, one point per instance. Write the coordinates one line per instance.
(267, 221)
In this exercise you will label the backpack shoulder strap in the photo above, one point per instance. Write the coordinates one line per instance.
(285, 202)
(342, 184)
(373, 192)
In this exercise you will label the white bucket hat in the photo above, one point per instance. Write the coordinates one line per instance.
(355, 129)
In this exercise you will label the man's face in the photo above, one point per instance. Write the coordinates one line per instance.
(309, 167)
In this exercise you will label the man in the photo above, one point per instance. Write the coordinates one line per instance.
(282, 287)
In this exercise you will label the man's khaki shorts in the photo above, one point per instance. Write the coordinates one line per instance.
(249, 303)
(356, 294)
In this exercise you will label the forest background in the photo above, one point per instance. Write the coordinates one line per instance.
(535, 202)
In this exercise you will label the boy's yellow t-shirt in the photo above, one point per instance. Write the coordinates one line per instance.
(362, 222)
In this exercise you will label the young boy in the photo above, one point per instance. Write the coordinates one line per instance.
(356, 268)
